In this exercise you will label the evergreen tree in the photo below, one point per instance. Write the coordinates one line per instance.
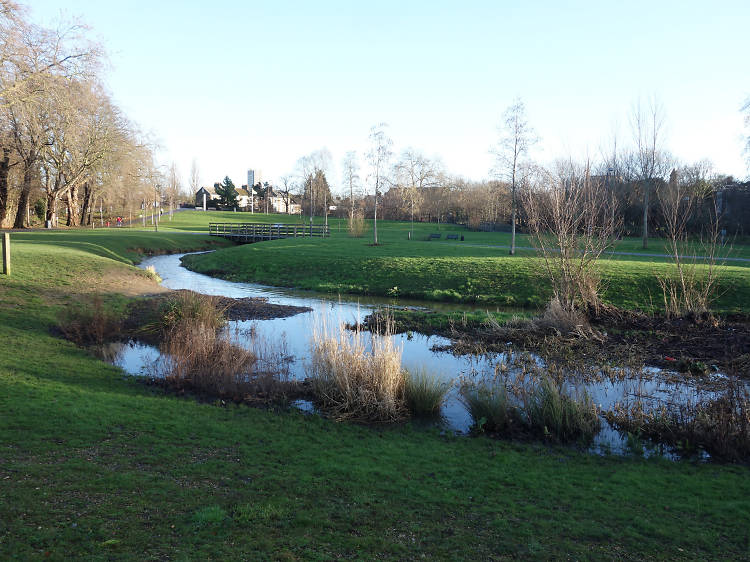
(226, 192)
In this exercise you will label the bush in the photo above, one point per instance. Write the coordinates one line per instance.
(185, 307)
(199, 354)
(91, 325)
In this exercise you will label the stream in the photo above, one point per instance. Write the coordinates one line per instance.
(294, 333)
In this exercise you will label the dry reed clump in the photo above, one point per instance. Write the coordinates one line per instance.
(555, 318)
(198, 357)
(566, 322)
(720, 425)
(91, 325)
(354, 382)
(199, 354)
(151, 273)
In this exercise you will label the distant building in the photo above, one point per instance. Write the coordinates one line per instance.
(280, 203)
(243, 196)
(210, 194)
(254, 177)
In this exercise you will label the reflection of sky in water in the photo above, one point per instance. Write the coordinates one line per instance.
(295, 332)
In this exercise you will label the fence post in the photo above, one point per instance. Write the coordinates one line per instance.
(6, 253)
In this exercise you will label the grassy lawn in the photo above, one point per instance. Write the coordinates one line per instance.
(397, 232)
(94, 464)
(473, 271)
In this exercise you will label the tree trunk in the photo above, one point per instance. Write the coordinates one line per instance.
(513, 212)
(51, 207)
(646, 189)
(71, 201)
(23, 200)
(375, 221)
(85, 214)
(4, 165)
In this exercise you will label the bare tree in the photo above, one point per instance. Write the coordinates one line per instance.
(81, 127)
(312, 170)
(173, 187)
(414, 173)
(378, 157)
(516, 137)
(746, 110)
(287, 182)
(195, 177)
(650, 163)
(572, 221)
(351, 180)
(692, 288)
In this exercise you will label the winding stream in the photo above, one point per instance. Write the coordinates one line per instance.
(295, 331)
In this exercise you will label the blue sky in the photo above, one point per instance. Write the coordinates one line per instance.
(242, 85)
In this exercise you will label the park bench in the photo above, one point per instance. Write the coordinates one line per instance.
(433, 235)
(451, 237)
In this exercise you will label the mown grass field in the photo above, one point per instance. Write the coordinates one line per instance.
(96, 465)
(477, 270)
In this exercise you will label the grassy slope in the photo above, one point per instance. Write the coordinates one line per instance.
(472, 271)
(94, 464)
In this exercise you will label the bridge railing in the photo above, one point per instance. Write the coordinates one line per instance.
(266, 231)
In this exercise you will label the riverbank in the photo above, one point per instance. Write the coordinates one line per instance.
(696, 345)
(94, 464)
(447, 272)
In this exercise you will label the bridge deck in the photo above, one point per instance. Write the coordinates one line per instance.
(255, 232)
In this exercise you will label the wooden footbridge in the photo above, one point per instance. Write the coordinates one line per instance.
(245, 233)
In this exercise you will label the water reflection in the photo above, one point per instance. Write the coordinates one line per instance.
(294, 333)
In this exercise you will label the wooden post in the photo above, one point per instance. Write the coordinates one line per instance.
(6, 253)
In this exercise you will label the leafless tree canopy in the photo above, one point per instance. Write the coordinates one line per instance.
(66, 141)
(572, 220)
(516, 136)
(378, 157)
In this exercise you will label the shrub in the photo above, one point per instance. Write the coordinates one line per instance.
(199, 354)
(185, 307)
(92, 324)
(424, 393)
(356, 226)
(353, 382)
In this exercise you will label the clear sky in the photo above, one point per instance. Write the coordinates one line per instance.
(246, 84)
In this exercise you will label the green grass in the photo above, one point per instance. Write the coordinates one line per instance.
(96, 465)
(438, 271)
(396, 232)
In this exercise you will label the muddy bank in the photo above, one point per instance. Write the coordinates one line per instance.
(696, 344)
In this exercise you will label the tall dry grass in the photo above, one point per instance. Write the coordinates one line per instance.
(720, 424)
(357, 379)
(199, 353)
